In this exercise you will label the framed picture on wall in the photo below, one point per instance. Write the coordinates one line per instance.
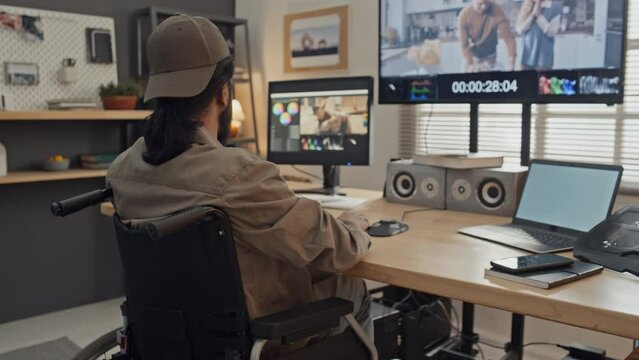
(316, 40)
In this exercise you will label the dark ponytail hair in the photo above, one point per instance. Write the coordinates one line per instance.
(171, 128)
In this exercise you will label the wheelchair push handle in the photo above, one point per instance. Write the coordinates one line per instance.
(69, 206)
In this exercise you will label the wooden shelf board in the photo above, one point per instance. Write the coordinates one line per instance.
(21, 177)
(64, 115)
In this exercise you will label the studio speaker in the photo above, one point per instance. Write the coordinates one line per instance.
(486, 191)
(420, 185)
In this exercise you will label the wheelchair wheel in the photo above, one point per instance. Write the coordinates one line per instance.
(99, 348)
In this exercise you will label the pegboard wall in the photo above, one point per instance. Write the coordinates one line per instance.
(64, 37)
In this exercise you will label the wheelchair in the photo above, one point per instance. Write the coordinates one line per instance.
(185, 299)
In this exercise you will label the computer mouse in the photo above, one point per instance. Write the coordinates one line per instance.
(387, 227)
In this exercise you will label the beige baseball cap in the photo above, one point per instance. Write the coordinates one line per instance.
(183, 52)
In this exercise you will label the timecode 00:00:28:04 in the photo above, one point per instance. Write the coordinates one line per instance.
(484, 87)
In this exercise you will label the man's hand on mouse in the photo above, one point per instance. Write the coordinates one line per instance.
(356, 218)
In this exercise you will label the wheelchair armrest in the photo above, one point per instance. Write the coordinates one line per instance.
(302, 321)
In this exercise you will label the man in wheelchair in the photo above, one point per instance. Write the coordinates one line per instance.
(289, 249)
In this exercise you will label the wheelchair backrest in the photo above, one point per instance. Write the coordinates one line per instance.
(184, 292)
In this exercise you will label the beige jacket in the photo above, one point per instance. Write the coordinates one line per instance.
(285, 243)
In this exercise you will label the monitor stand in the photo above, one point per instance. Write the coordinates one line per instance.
(526, 111)
(331, 182)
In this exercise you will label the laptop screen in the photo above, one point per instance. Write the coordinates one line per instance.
(568, 196)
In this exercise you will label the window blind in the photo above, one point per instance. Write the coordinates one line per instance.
(572, 132)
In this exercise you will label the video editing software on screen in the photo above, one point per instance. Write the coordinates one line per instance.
(308, 122)
(502, 50)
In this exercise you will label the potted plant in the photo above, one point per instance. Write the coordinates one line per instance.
(120, 96)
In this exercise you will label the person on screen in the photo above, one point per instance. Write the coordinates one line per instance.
(538, 23)
(308, 43)
(331, 122)
(481, 23)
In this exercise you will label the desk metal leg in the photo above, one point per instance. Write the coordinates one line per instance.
(515, 349)
(459, 347)
(468, 328)
(456, 348)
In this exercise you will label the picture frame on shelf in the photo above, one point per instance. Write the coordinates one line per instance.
(316, 40)
(21, 74)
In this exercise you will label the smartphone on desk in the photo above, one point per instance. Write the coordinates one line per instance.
(526, 263)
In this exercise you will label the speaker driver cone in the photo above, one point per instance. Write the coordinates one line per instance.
(404, 185)
(492, 193)
(461, 189)
(430, 187)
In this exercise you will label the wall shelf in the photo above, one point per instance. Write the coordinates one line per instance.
(75, 115)
(22, 177)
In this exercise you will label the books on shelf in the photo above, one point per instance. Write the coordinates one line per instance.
(459, 161)
(97, 161)
(98, 157)
(96, 166)
(549, 278)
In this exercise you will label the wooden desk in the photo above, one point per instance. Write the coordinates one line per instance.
(432, 257)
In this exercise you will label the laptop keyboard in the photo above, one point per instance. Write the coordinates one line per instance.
(548, 238)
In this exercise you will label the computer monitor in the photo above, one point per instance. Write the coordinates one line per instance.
(522, 51)
(320, 122)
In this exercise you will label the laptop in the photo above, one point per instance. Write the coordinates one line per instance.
(559, 203)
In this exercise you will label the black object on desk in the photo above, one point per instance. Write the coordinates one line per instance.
(614, 243)
(387, 227)
(520, 264)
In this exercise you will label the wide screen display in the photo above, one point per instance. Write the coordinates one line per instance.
(502, 51)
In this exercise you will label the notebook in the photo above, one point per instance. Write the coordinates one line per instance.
(459, 161)
(549, 278)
